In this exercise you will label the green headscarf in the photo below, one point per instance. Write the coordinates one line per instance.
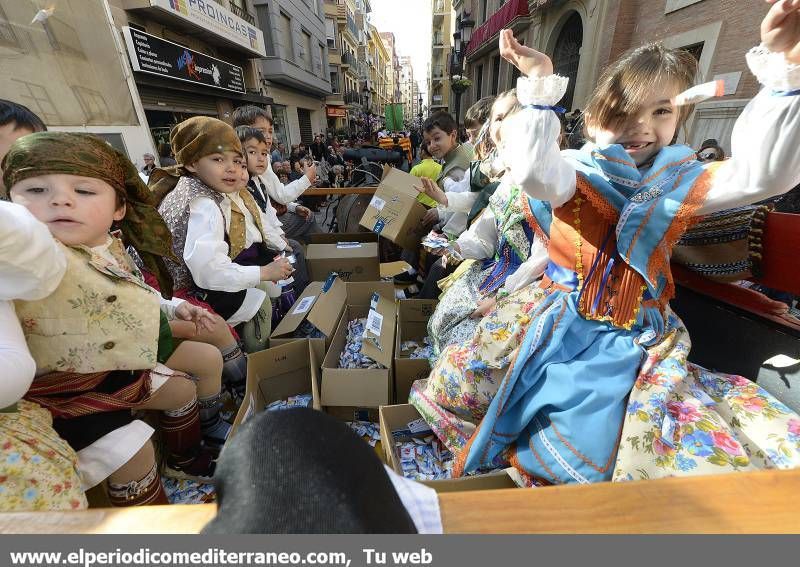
(191, 140)
(86, 155)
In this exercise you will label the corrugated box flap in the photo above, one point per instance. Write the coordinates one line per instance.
(400, 182)
(328, 307)
(382, 325)
(300, 310)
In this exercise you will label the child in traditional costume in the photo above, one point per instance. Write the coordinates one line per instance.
(217, 233)
(619, 206)
(508, 246)
(39, 469)
(99, 337)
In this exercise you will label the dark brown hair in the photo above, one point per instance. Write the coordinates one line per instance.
(441, 120)
(625, 85)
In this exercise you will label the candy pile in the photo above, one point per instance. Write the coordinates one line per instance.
(301, 401)
(424, 458)
(424, 350)
(440, 242)
(183, 491)
(368, 431)
(351, 356)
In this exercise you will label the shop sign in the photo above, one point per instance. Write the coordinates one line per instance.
(156, 56)
(216, 19)
(336, 112)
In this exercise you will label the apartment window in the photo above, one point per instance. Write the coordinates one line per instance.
(335, 80)
(286, 36)
(307, 54)
(330, 32)
(495, 74)
(485, 10)
(318, 65)
(479, 83)
(265, 23)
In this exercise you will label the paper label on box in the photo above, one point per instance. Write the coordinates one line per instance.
(377, 203)
(374, 323)
(349, 245)
(373, 301)
(380, 224)
(304, 304)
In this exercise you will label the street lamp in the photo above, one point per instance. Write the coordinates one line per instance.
(461, 40)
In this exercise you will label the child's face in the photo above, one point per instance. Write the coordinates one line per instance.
(10, 133)
(221, 171)
(440, 142)
(284, 178)
(646, 132)
(256, 153)
(266, 128)
(297, 167)
(77, 210)
(500, 111)
(472, 134)
(245, 177)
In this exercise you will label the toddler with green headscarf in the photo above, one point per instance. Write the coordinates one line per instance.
(99, 338)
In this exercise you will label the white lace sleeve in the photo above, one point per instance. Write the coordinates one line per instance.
(546, 91)
(772, 70)
(765, 161)
(529, 145)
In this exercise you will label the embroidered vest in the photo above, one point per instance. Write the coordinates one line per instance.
(100, 318)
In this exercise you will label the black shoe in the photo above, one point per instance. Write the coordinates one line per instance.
(404, 278)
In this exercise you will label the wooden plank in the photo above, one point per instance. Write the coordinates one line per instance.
(322, 191)
(760, 502)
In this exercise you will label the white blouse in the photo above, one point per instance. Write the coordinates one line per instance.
(479, 242)
(765, 160)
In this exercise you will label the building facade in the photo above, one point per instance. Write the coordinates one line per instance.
(295, 68)
(442, 15)
(584, 37)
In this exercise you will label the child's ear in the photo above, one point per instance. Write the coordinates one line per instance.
(119, 214)
(191, 167)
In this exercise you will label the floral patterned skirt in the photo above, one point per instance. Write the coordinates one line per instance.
(38, 470)
(682, 419)
(466, 376)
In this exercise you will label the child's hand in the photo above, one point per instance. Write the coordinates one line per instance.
(431, 217)
(432, 190)
(780, 29)
(276, 270)
(202, 319)
(304, 212)
(529, 61)
(311, 172)
(485, 306)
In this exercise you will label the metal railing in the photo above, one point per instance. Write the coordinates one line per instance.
(352, 97)
(439, 7)
(242, 13)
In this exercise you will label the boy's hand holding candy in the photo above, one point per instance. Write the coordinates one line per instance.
(277, 270)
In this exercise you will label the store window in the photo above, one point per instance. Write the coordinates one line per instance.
(281, 134)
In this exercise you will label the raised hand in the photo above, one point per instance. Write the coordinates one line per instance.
(311, 172)
(780, 29)
(432, 190)
(530, 62)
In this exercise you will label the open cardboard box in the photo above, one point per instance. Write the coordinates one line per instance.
(394, 211)
(344, 390)
(412, 325)
(396, 418)
(276, 374)
(321, 308)
(354, 256)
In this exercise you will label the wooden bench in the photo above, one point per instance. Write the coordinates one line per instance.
(759, 502)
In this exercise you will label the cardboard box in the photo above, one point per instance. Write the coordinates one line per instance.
(321, 309)
(361, 388)
(396, 418)
(276, 374)
(394, 211)
(354, 256)
(412, 325)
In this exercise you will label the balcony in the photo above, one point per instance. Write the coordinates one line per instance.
(438, 71)
(505, 17)
(347, 59)
(352, 97)
(242, 13)
(438, 40)
(440, 8)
